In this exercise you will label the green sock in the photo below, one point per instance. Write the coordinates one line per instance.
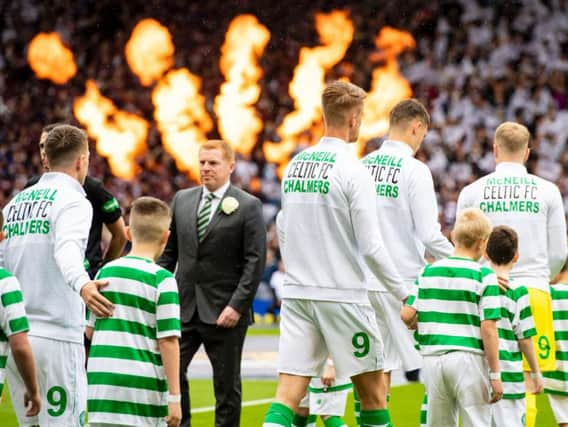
(357, 407)
(334, 421)
(278, 415)
(375, 418)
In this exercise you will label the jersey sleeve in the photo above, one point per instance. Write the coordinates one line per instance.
(465, 199)
(424, 210)
(106, 204)
(412, 300)
(523, 321)
(556, 232)
(490, 299)
(13, 319)
(167, 307)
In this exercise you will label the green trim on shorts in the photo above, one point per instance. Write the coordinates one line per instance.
(330, 389)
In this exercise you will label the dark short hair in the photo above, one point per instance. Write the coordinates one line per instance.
(64, 144)
(407, 110)
(502, 245)
(48, 128)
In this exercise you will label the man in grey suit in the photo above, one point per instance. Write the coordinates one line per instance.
(218, 243)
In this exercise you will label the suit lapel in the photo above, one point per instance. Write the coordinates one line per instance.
(193, 204)
(218, 213)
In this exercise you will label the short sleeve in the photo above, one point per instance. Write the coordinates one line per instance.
(167, 308)
(105, 203)
(13, 319)
(523, 322)
(490, 299)
(413, 296)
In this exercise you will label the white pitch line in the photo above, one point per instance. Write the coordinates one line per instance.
(243, 405)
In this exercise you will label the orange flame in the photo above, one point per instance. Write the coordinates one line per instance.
(388, 86)
(335, 30)
(179, 110)
(50, 59)
(120, 136)
(149, 51)
(238, 122)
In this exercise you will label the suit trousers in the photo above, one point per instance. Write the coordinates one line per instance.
(224, 348)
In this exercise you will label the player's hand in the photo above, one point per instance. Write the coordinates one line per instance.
(174, 414)
(496, 391)
(32, 403)
(503, 283)
(228, 318)
(328, 377)
(538, 383)
(94, 300)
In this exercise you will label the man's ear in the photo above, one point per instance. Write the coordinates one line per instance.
(516, 257)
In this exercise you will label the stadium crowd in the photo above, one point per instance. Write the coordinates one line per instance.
(474, 66)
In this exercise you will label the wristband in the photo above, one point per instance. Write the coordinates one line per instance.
(495, 376)
(535, 375)
(174, 398)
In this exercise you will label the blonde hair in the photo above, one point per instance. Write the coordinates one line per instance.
(512, 137)
(149, 218)
(338, 100)
(219, 144)
(471, 226)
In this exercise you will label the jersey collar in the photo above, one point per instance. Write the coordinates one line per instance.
(510, 167)
(219, 193)
(334, 142)
(398, 146)
(61, 177)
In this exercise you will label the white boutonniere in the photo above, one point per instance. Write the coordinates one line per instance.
(229, 205)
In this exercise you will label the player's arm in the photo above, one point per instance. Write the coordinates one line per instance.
(556, 232)
(169, 350)
(490, 339)
(168, 333)
(169, 257)
(527, 347)
(424, 210)
(408, 312)
(71, 234)
(117, 240)
(361, 196)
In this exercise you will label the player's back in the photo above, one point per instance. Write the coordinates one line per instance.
(454, 296)
(511, 196)
(124, 350)
(321, 190)
(516, 323)
(33, 233)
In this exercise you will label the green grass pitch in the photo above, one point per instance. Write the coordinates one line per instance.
(404, 406)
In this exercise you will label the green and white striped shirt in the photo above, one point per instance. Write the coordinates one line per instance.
(127, 381)
(516, 323)
(557, 382)
(453, 296)
(13, 318)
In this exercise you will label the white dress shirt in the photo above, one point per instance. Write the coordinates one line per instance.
(219, 194)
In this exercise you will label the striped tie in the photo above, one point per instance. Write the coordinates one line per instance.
(203, 217)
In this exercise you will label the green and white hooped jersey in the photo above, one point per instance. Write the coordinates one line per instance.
(533, 207)
(126, 378)
(515, 324)
(557, 382)
(13, 318)
(453, 296)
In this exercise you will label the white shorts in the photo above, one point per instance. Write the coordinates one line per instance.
(559, 405)
(310, 331)
(62, 384)
(457, 381)
(324, 400)
(509, 413)
(399, 349)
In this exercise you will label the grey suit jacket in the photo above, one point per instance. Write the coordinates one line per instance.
(226, 267)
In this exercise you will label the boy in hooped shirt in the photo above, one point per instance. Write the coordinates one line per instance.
(133, 366)
(456, 307)
(556, 382)
(516, 327)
